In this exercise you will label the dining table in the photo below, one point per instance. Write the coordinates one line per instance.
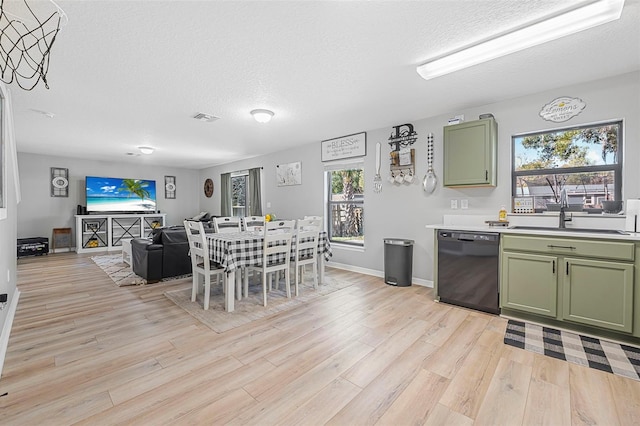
(236, 250)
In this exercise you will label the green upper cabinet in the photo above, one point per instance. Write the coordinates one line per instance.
(470, 153)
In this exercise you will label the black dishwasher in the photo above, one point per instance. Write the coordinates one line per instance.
(468, 269)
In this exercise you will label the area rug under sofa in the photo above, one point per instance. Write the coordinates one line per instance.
(121, 273)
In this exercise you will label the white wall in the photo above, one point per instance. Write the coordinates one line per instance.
(397, 212)
(8, 231)
(39, 213)
(403, 211)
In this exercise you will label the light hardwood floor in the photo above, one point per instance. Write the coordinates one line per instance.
(85, 351)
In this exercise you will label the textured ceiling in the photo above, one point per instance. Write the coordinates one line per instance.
(126, 74)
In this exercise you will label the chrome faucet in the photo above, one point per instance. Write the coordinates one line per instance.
(564, 205)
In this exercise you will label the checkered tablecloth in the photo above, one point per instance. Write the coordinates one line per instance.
(239, 249)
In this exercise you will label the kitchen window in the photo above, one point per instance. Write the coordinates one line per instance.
(584, 160)
(345, 204)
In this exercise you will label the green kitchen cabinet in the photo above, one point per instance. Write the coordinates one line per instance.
(470, 153)
(598, 293)
(530, 283)
(575, 280)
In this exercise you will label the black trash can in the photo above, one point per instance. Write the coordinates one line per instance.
(398, 261)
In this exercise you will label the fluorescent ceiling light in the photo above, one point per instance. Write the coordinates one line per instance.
(533, 34)
(146, 149)
(262, 115)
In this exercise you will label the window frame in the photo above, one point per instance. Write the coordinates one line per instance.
(329, 203)
(615, 168)
(245, 175)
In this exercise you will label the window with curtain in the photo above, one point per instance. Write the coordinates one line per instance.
(586, 161)
(243, 193)
(345, 203)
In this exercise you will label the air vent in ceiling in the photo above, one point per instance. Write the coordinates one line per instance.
(205, 117)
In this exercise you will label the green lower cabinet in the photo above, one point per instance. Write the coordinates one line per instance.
(598, 293)
(529, 283)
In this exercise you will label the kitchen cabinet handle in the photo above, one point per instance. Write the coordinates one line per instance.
(486, 175)
(567, 268)
(551, 246)
(554, 267)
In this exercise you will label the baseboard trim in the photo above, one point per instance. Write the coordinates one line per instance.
(6, 329)
(376, 273)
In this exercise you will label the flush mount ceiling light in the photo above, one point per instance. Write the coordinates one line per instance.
(262, 115)
(146, 150)
(565, 23)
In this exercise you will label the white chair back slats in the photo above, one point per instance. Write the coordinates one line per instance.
(197, 245)
(201, 265)
(306, 249)
(320, 220)
(227, 224)
(253, 223)
(276, 253)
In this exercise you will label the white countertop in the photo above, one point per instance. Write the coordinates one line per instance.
(630, 236)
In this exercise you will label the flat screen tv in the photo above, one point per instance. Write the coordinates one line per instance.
(117, 195)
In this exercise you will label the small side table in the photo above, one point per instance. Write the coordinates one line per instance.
(61, 238)
(126, 251)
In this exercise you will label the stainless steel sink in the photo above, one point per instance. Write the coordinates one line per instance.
(580, 230)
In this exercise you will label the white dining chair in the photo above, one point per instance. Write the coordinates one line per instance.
(227, 224)
(276, 254)
(201, 264)
(252, 223)
(306, 249)
(320, 218)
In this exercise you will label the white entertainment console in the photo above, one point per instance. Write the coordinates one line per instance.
(106, 232)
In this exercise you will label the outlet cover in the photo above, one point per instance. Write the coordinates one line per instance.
(454, 204)
(464, 204)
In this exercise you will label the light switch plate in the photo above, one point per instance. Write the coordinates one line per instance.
(464, 204)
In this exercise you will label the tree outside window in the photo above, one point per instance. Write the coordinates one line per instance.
(586, 161)
(239, 195)
(346, 206)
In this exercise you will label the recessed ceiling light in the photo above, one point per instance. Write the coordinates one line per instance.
(262, 115)
(569, 22)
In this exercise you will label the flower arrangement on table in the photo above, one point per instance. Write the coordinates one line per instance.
(269, 217)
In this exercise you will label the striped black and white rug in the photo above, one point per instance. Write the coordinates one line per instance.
(623, 360)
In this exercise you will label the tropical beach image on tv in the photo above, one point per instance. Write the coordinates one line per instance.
(106, 194)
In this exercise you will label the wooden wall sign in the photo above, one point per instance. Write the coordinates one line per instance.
(344, 147)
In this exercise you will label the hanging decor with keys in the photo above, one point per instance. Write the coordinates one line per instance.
(402, 156)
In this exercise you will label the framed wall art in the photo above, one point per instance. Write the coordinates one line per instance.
(170, 187)
(344, 147)
(289, 174)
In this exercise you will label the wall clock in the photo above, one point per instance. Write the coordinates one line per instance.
(208, 188)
